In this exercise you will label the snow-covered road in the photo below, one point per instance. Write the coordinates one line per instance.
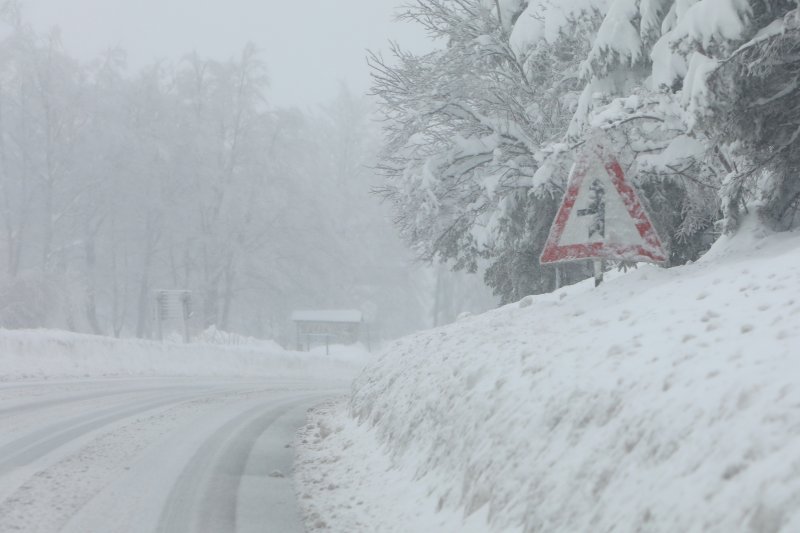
(151, 454)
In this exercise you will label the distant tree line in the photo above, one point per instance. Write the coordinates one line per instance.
(115, 184)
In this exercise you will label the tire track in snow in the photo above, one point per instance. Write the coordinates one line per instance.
(25, 450)
(208, 494)
(50, 497)
(27, 408)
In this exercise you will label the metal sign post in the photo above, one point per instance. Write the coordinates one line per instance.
(598, 271)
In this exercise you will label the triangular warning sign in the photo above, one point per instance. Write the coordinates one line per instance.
(601, 216)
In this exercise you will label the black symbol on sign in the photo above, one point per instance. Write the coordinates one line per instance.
(596, 209)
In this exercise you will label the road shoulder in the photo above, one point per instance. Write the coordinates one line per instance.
(346, 481)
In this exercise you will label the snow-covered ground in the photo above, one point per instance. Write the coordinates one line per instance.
(43, 354)
(663, 401)
(135, 455)
(107, 435)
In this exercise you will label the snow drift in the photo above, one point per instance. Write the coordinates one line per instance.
(38, 354)
(665, 400)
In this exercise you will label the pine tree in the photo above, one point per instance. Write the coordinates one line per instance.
(705, 73)
(753, 108)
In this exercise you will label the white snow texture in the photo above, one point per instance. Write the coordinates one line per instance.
(664, 401)
(47, 354)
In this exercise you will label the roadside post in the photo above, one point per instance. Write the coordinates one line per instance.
(599, 267)
(601, 217)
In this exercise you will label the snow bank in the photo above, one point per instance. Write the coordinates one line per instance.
(664, 401)
(45, 354)
(212, 335)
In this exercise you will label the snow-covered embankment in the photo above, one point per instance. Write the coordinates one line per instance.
(664, 401)
(44, 354)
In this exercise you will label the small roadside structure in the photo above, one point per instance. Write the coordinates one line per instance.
(342, 326)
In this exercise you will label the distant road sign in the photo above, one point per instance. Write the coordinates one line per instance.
(601, 216)
(173, 309)
(173, 305)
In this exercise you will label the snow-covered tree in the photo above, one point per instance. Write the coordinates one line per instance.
(751, 110)
(694, 96)
(469, 126)
(685, 82)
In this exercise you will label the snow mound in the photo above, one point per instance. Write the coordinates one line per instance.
(663, 401)
(213, 335)
(49, 354)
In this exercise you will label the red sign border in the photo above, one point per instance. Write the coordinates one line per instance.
(554, 253)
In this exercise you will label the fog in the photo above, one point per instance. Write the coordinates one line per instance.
(222, 148)
(309, 47)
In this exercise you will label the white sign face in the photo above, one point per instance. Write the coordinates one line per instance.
(601, 216)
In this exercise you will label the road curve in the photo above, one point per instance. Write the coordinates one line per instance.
(160, 455)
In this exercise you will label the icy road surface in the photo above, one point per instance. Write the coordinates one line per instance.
(139, 455)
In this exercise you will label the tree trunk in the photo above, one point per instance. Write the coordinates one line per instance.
(91, 283)
(230, 275)
(151, 239)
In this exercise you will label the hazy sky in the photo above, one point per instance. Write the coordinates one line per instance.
(309, 45)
